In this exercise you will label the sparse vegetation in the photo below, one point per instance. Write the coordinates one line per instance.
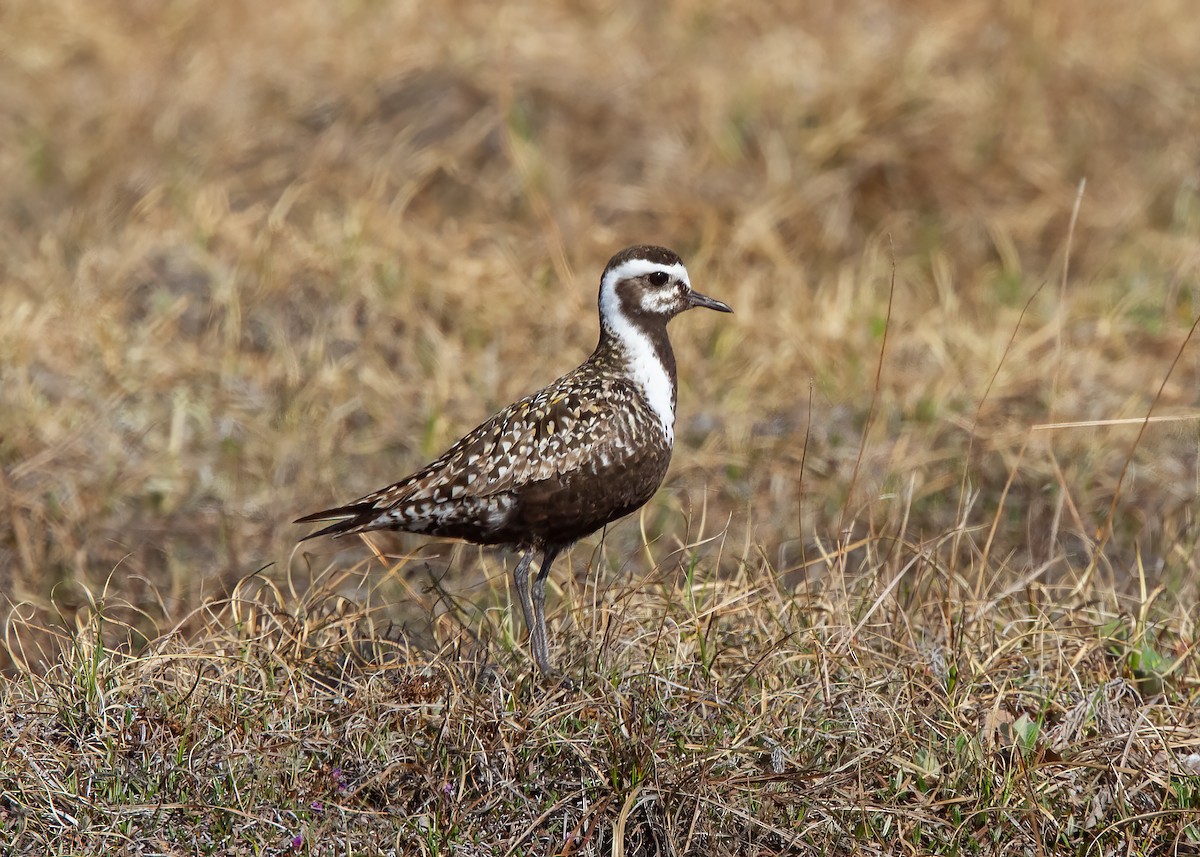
(255, 259)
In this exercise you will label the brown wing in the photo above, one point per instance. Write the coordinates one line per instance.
(569, 505)
(601, 454)
(554, 450)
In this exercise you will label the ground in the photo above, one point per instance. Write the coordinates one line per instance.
(922, 578)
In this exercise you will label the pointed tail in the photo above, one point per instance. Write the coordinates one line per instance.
(347, 519)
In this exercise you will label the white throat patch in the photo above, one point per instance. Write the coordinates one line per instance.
(645, 368)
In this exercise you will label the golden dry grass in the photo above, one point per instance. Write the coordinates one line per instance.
(258, 260)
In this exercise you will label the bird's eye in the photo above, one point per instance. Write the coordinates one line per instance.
(659, 278)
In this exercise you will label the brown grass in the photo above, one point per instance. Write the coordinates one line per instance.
(254, 260)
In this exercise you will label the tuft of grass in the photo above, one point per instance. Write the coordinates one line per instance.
(714, 712)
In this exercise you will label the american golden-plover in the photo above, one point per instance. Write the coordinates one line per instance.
(561, 463)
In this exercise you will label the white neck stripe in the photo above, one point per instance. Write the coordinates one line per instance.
(645, 368)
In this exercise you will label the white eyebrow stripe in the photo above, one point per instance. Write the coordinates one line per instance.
(639, 267)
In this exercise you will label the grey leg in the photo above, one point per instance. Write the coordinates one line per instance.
(541, 650)
(521, 583)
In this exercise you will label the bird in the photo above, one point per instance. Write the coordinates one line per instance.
(562, 462)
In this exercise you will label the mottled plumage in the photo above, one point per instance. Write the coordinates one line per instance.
(563, 462)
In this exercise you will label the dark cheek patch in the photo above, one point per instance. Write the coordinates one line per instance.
(629, 295)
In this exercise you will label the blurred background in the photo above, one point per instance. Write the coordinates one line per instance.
(259, 259)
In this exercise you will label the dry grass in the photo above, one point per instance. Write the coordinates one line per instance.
(254, 261)
(715, 715)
